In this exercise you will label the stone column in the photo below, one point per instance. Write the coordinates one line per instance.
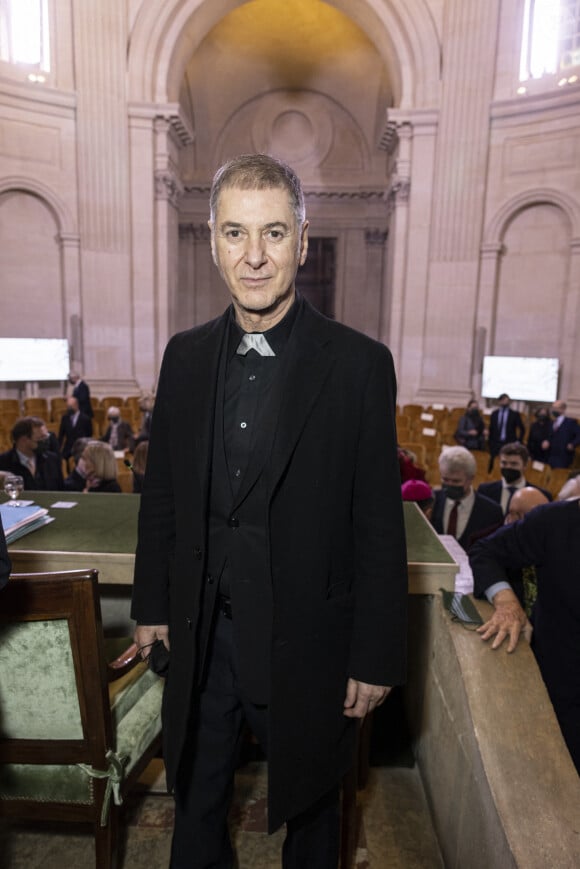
(490, 261)
(470, 34)
(570, 377)
(72, 302)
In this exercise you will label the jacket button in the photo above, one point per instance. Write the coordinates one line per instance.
(233, 522)
(197, 553)
(209, 578)
(189, 623)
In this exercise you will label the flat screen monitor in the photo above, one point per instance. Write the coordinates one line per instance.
(34, 359)
(523, 378)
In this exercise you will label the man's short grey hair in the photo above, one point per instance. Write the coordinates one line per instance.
(258, 172)
(455, 459)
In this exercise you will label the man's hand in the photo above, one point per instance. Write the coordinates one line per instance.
(508, 620)
(362, 698)
(145, 636)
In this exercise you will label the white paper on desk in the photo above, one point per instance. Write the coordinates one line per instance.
(63, 505)
(21, 503)
(464, 578)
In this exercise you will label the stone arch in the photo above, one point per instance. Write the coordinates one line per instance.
(404, 33)
(505, 214)
(47, 196)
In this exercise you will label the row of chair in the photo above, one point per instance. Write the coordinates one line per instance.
(51, 410)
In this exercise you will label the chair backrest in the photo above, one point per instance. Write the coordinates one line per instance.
(54, 706)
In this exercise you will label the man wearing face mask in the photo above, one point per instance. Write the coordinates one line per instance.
(80, 390)
(119, 434)
(39, 467)
(513, 459)
(564, 438)
(458, 510)
(73, 424)
(539, 436)
(505, 427)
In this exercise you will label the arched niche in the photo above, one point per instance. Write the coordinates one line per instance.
(167, 34)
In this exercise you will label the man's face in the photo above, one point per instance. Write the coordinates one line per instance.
(558, 408)
(516, 463)
(504, 402)
(456, 479)
(257, 247)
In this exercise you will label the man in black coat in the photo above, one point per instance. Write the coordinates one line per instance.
(513, 460)
(73, 425)
(271, 556)
(505, 427)
(563, 438)
(82, 393)
(458, 510)
(39, 468)
(547, 538)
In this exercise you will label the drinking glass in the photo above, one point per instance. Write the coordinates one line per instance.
(13, 486)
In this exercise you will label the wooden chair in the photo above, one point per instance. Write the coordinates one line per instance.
(11, 406)
(556, 479)
(75, 733)
(57, 407)
(112, 401)
(35, 407)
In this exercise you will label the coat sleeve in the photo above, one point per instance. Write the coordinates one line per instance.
(156, 528)
(378, 646)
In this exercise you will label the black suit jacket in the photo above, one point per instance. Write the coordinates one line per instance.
(515, 430)
(548, 538)
(82, 393)
(337, 561)
(568, 432)
(485, 515)
(68, 433)
(5, 565)
(48, 470)
(493, 490)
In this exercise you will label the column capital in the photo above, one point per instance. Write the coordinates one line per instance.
(168, 186)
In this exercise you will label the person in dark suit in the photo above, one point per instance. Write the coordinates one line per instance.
(539, 436)
(458, 510)
(39, 468)
(271, 557)
(513, 459)
(5, 564)
(82, 393)
(470, 431)
(563, 439)
(549, 539)
(119, 433)
(73, 425)
(505, 427)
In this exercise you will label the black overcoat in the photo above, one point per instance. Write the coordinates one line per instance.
(336, 542)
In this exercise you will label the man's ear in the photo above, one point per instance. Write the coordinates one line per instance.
(212, 241)
(303, 243)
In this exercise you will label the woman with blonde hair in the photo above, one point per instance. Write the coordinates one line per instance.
(99, 467)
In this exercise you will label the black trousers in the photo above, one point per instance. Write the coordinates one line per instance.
(204, 786)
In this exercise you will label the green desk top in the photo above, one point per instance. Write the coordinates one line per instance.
(104, 527)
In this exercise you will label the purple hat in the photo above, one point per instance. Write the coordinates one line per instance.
(416, 490)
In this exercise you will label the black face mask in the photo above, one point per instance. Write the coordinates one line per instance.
(456, 493)
(70, 411)
(114, 419)
(42, 446)
(542, 418)
(555, 413)
(510, 475)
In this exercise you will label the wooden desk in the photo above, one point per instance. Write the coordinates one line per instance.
(101, 532)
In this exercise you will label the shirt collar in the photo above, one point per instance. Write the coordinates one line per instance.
(277, 336)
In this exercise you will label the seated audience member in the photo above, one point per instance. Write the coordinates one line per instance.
(563, 439)
(29, 458)
(5, 565)
(470, 431)
(73, 425)
(548, 538)
(146, 408)
(82, 393)
(505, 427)
(421, 493)
(539, 434)
(513, 459)
(76, 480)
(138, 466)
(408, 466)
(571, 488)
(458, 510)
(119, 434)
(99, 467)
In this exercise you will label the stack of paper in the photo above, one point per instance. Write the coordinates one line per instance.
(18, 521)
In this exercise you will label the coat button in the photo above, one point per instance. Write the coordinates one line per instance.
(197, 553)
(234, 522)
(209, 578)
